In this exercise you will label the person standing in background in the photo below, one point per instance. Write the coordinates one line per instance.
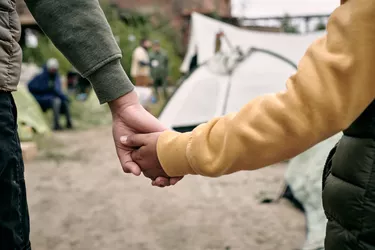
(72, 80)
(218, 42)
(159, 69)
(140, 68)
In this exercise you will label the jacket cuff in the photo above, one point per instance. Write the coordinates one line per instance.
(171, 150)
(110, 82)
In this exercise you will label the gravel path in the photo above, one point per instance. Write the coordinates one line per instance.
(80, 200)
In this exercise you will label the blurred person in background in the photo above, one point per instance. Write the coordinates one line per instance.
(77, 85)
(72, 80)
(140, 67)
(87, 41)
(218, 42)
(46, 88)
(159, 70)
(83, 89)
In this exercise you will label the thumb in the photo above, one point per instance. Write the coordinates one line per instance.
(134, 141)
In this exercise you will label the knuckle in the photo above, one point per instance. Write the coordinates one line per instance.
(130, 140)
(142, 152)
(136, 155)
(149, 175)
(139, 155)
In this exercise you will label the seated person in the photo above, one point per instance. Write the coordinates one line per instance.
(46, 88)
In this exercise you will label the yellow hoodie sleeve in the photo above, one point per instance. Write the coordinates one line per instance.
(334, 84)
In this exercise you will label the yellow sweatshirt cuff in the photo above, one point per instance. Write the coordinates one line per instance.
(171, 149)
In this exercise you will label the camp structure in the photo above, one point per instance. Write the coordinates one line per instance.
(30, 120)
(248, 64)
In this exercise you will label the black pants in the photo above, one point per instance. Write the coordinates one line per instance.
(159, 82)
(14, 216)
(60, 107)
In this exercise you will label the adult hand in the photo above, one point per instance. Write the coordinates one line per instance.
(129, 118)
(145, 155)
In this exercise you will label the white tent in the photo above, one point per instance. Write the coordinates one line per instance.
(204, 29)
(226, 81)
(275, 8)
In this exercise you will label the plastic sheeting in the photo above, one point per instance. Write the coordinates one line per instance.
(30, 116)
(304, 176)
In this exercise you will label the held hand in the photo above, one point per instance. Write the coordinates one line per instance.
(129, 118)
(145, 155)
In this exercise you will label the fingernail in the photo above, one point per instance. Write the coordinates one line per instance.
(123, 139)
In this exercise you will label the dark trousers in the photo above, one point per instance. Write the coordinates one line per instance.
(159, 82)
(14, 215)
(60, 107)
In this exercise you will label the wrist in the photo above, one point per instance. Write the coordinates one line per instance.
(123, 102)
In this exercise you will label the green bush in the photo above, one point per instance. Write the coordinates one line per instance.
(129, 36)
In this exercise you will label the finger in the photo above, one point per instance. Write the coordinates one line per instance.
(173, 181)
(134, 141)
(161, 182)
(132, 167)
(139, 156)
(136, 155)
(164, 182)
(157, 185)
(127, 164)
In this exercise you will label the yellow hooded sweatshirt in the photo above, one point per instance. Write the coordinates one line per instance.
(334, 84)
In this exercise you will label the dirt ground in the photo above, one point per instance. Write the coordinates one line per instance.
(80, 199)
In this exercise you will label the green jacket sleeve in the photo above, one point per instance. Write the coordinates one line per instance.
(81, 32)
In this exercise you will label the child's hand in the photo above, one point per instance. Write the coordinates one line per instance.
(145, 156)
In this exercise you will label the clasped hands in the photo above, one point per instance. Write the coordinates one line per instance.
(144, 154)
(135, 133)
